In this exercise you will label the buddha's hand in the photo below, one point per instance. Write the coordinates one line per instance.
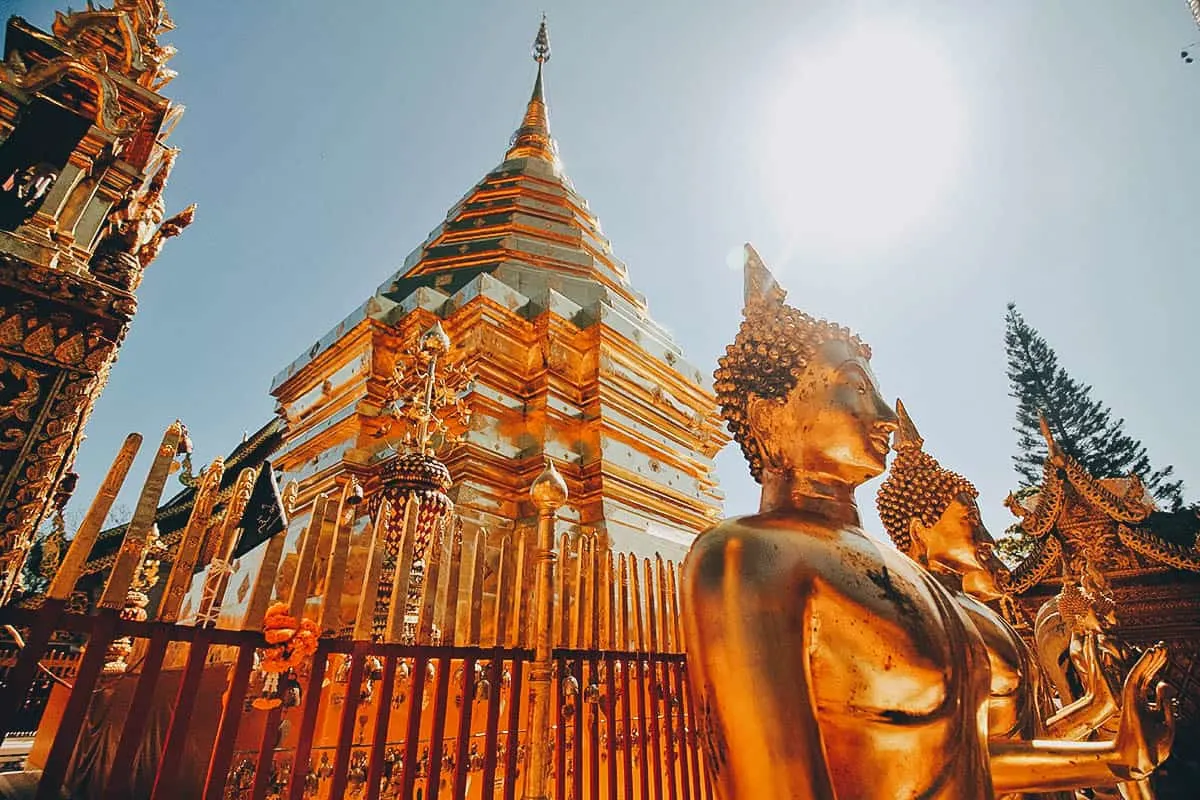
(1147, 717)
(1096, 683)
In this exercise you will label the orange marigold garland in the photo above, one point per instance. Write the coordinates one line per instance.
(291, 642)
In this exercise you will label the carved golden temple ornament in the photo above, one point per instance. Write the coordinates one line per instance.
(83, 135)
(426, 399)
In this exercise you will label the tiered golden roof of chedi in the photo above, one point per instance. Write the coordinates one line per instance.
(567, 364)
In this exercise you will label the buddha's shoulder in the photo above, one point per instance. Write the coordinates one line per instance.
(774, 540)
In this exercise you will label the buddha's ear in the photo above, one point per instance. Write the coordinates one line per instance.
(761, 417)
(758, 412)
(758, 418)
(918, 551)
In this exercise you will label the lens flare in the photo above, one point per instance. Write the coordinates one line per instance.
(862, 142)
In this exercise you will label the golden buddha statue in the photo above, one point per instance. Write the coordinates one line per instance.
(825, 664)
(932, 515)
(1098, 660)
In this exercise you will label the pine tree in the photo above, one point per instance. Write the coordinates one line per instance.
(33, 582)
(1082, 426)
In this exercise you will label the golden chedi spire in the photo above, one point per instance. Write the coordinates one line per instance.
(532, 139)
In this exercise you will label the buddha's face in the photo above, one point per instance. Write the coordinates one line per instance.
(833, 424)
(1088, 622)
(960, 543)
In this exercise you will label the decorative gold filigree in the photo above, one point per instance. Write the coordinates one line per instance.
(136, 24)
(1146, 544)
(92, 68)
(20, 406)
(427, 394)
(1084, 517)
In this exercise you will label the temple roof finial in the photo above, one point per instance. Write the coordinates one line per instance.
(533, 138)
(541, 44)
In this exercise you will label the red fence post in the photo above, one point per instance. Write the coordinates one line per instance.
(514, 721)
(308, 721)
(341, 758)
(491, 736)
(413, 726)
(437, 734)
(227, 728)
(121, 774)
(177, 731)
(383, 716)
(103, 631)
(462, 753)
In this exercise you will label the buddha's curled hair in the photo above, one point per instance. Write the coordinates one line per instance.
(773, 348)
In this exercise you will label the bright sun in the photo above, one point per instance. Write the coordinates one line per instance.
(862, 140)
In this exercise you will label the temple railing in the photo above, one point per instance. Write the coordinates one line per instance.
(623, 724)
(437, 699)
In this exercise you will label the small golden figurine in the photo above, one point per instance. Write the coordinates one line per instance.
(826, 664)
(1097, 660)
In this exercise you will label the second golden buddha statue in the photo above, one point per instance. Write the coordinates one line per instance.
(827, 665)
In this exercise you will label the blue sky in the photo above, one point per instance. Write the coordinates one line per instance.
(1053, 163)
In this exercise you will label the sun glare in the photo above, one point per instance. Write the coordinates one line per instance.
(861, 142)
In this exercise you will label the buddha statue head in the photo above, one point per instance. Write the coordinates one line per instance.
(932, 515)
(1086, 600)
(798, 393)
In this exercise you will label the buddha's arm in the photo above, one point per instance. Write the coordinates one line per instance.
(756, 664)
(1142, 743)
(1080, 718)
(1048, 765)
(1097, 705)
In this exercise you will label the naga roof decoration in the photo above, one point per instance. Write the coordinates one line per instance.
(1113, 522)
(171, 517)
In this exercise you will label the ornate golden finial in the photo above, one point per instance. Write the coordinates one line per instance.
(769, 355)
(426, 392)
(435, 341)
(917, 487)
(533, 138)
(541, 43)
(549, 490)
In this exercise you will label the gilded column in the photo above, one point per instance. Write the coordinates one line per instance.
(549, 493)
